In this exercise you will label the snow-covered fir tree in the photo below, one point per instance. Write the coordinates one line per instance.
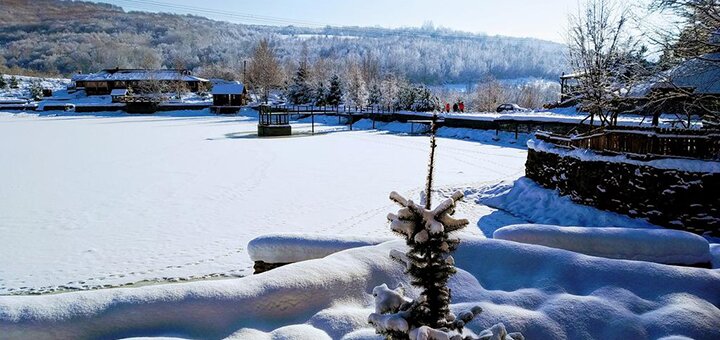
(14, 82)
(425, 101)
(428, 232)
(321, 94)
(336, 92)
(300, 91)
(3, 83)
(375, 96)
(36, 91)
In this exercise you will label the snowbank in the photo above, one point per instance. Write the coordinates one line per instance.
(544, 293)
(291, 248)
(654, 245)
(715, 253)
(689, 165)
(528, 200)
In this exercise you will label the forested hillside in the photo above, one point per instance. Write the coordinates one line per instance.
(64, 37)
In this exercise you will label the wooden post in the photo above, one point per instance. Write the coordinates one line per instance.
(373, 117)
(312, 119)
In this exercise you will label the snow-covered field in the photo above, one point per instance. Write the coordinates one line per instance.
(99, 201)
(103, 201)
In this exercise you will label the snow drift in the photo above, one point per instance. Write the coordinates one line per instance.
(542, 292)
(296, 247)
(654, 245)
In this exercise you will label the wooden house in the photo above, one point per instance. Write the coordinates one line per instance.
(103, 82)
(228, 98)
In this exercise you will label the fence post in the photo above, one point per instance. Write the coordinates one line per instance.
(312, 119)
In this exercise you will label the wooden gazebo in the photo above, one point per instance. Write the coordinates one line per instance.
(273, 123)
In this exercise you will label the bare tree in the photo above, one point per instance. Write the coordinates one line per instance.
(599, 52)
(691, 60)
(696, 33)
(264, 73)
(488, 95)
(357, 92)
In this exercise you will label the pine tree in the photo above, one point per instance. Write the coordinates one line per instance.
(3, 83)
(375, 95)
(425, 101)
(14, 82)
(336, 93)
(299, 92)
(428, 234)
(321, 94)
(36, 90)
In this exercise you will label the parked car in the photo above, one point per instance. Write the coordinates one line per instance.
(510, 108)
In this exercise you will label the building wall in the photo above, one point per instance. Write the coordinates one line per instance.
(671, 198)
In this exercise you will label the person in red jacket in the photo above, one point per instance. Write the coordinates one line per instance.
(462, 107)
(447, 107)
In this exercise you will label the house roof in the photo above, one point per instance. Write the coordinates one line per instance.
(233, 88)
(137, 75)
(701, 74)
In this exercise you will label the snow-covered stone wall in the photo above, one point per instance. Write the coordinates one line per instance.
(674, 197)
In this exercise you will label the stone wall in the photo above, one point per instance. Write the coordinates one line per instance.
(671, 198)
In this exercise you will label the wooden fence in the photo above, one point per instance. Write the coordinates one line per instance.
(653, 142)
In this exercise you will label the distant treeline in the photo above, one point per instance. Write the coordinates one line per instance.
(65, 37)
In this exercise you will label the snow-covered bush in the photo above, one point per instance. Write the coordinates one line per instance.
(429, 263)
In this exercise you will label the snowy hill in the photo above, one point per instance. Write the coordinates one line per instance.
(95, 36)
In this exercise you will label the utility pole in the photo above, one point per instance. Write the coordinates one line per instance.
(244, 71)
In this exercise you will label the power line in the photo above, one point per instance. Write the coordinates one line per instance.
(154, 5)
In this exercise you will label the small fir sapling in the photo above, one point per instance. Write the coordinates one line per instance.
(3, 83)
(14, 82)
(36, 91)
(428, 233)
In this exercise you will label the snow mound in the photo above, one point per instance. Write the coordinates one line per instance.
(653, 245)
(526, 199)
(715, 253)
(544, 293)
(291, 248)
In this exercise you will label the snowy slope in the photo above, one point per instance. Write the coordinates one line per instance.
(545, 293)
(113, 199)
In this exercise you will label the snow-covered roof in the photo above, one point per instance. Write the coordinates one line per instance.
(118, 92)
(701, 74)
(234, 88)
(572, 75)
(137, 74)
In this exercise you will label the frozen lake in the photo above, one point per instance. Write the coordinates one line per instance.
(89, 201)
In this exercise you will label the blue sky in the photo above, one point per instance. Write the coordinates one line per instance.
(519, 18)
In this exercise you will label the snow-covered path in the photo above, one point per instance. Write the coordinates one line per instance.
(91, 201)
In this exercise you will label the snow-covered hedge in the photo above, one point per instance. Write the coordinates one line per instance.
(654, 245)
(291, 248)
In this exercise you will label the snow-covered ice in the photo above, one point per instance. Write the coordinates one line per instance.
(654, 245)
(544, 293)
(88, 201)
